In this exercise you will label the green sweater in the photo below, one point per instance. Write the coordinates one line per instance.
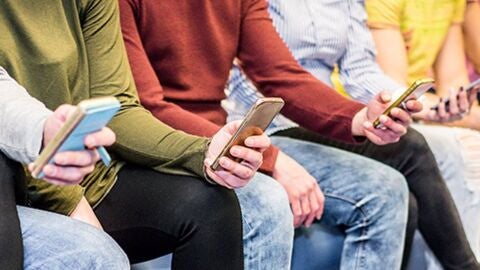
(64, 51)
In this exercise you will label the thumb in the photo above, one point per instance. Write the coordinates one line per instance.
(384, 97)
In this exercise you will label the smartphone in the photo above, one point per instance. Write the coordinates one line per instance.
(468, 88)
(89, 117)
(417, 89)
(256, 121)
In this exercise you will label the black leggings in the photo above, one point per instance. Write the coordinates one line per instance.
(151, 214)
(438, 219)
(11, 248)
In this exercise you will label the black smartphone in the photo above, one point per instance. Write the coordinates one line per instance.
(468, 88)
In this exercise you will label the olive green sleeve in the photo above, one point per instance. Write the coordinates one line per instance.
(141, 138)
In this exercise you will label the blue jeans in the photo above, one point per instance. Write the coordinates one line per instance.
(267, 224)
(52, 241)
(366, 198)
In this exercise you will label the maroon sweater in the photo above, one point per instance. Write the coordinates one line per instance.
(181, 53)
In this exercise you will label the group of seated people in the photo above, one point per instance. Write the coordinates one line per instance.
(184, 73)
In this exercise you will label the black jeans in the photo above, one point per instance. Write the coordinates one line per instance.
(151, 214)
(438, 219)
(11, 248)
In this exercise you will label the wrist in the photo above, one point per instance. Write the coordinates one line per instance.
(357, 124)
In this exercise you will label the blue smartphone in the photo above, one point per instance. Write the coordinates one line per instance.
(89, 117)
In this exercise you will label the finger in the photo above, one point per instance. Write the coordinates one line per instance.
(313, 208)
(463, 104)
(296, 210)
(441, 112)
(380, 137)
(385, 97)
(77, 158)
(253, 157)
(104, 137)
(453, 106)
(236, 169)
(305, 204)
(321, 202)
(391, 125)
(64, 111)
(414, 106)
(261, 141)
(212, 174)
(401, 116)
(70, 175)
(231, 180)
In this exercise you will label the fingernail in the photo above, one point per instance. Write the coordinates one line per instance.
(90, 141)
(60, 160)
(235, 151)
(49, 170)
(225, 162)
(383, 119)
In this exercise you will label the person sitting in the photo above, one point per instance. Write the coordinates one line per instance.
(181, 55)
(153, 198)
(320, 43)
(35, 239)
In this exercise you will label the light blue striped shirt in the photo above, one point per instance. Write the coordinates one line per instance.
(320, 34)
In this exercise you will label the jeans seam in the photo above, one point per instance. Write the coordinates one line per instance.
(359, 261)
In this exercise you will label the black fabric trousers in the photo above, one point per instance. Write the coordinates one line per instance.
(11, 248)
(437, 219)
(151, 214)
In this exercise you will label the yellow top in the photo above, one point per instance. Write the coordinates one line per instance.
(428, 22)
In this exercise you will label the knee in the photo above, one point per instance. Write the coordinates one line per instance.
(99, 251)
(415, 142)
(265, 207)
(210, 206)
(388, 197)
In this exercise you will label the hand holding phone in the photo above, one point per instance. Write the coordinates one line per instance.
(467, 89)
(415, 91)
(89, 117)
(256, 121)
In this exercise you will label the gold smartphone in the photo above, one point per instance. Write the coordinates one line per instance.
(417, 89)
(89, 117)
(256, 121)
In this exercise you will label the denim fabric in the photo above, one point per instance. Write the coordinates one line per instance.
(52, 241)
(364, 197)
(447, 151)
(267, 224)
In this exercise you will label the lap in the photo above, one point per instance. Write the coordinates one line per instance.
(57, 242)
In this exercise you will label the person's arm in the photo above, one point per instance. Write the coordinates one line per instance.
(450, 67)
(151, 93)
(360, 73)
(22, 119)
(471, 28)
(269, 64)
(141, 138)
(384, 22)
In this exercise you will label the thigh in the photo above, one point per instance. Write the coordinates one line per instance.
(53, 241)
(400, 155)
(10, 236)
(349, 181)
(151, 214)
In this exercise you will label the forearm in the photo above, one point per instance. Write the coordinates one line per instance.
(22, 118)
(450, 66)
(472, 33)
(143, 140)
